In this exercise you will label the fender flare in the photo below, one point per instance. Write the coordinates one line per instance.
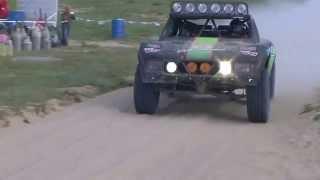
(271, 59)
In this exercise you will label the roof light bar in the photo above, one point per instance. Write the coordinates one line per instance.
(196, 9)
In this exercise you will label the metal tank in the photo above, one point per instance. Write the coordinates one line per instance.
(27, 44)
(36, 38)
(10, 48)
(17, 36)
(45, 39)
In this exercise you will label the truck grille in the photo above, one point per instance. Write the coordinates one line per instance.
(201, 68)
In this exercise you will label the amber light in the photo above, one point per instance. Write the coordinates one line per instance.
(192, 67)
(205, 68)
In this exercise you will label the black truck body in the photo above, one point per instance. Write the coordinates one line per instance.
(209, 52)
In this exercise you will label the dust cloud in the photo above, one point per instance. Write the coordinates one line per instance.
(294, 29)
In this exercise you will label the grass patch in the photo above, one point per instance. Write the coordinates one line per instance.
(312, 108)
(137, 10)
(317, 117)
(13, 4)
(26, 82)
(93, 31)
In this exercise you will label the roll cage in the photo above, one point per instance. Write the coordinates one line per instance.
(186, 28)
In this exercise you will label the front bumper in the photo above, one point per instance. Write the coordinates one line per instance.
(213, 82)
(154, 72)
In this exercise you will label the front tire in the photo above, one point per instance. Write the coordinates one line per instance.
(258, 100)
(146, 96)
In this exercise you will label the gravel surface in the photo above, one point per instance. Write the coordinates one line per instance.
(188, 139)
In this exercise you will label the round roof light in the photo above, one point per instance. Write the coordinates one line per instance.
(228, 8)
(177, 7)
(242, 9)
(203, 8)
(190, 7)
(215, 8)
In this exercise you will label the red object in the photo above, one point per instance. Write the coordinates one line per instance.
(4, 9)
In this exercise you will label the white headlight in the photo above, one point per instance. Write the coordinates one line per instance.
(228, 8)
(171, 67)
(202, 8)
(242, 9)
(225, 68)
(177, 7)
(190, 7)
(215, 8)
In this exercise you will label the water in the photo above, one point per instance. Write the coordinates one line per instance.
(294, 28)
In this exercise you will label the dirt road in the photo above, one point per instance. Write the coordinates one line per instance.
(200, 138)
(190, 139)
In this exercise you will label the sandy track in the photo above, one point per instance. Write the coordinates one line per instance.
(201, 138)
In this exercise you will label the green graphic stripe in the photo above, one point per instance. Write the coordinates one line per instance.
(206, 41)
(199, 55)
(272, 59)
(201, 49)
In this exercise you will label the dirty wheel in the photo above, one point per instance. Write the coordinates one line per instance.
(258, 99)
(146, 96)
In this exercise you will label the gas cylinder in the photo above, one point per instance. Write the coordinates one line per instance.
(45, 38)
(24, 34)
(17, 36)
(27, 44)
(36, 38)
(10, 48)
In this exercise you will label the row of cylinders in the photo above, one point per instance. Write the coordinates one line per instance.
(38, 39)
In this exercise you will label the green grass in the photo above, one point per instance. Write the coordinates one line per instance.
(25, 82)
(92, 31)
(138, 10)
(13, 4)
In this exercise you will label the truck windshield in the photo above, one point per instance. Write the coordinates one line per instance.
(228, 28)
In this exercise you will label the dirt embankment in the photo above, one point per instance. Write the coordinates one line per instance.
(36, 111)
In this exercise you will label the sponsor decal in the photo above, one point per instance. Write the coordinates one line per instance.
(249, 51)
(152, 48)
